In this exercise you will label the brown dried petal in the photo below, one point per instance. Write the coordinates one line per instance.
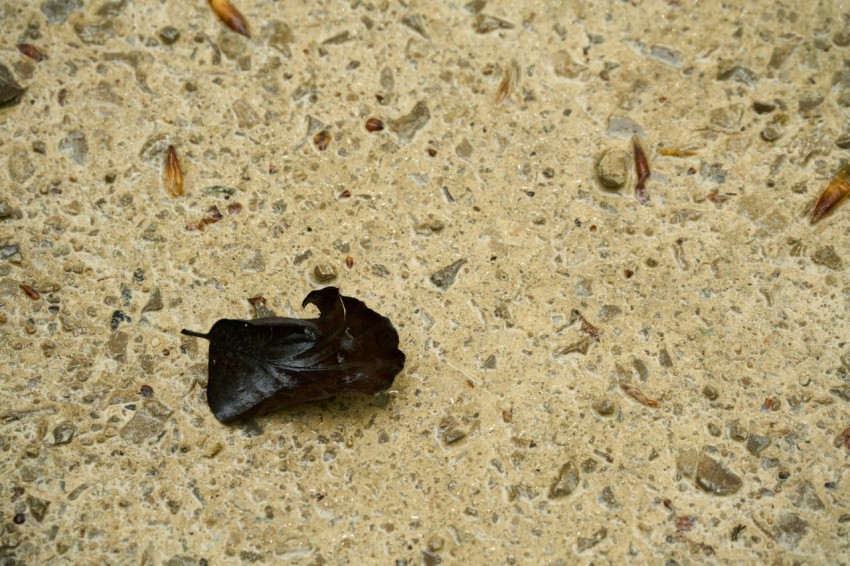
(231, 17)
(642, 169)
(32, 52)
(173, 176)
(835, 192)
(30, 292)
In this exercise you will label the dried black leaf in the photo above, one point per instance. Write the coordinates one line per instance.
(261, 365)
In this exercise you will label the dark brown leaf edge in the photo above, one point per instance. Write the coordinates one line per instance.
(266, 364)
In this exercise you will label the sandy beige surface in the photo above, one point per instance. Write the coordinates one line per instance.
(698, 415)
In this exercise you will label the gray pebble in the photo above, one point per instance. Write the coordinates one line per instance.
(95, 33)
(9, 250)
(810, 102)
(843, 141)
(154, 302)
(612, 169)
(789, 529)
(169, 35)
(607, 498)
(622, 127)
(605, 407)
(565, 66)
(64, 433)
(826, 256)
(737, 432)
(445, 277)
(566, 482)
(246, 116)
(763, 107)
(757, 444)
(727, 117)
(485, 23)
(738, 73)
(116, 346)
(464, 149)
(146, 423)
(38, 507)
(452, 435)
(57, 11)
(666, 55)
(407, 126)
(75, 146)
(379, 270)
(712, 172)
(713, 477)
(806, 496)
(280, 36)
(771, 133)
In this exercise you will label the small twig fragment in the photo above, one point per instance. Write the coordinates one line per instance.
(642, 169)
(835, 192)
(32, 52)
(638, 395)
(670, 152)
(231, 17)
(585, 326)
(173, 176)
(30, 292)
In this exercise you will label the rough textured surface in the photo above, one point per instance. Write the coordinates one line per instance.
(697, 412)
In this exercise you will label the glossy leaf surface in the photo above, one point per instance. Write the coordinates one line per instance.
(257, 366)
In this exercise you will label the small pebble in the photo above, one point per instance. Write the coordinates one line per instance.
(445, 277)
(771, 133)
(406, 126)
(763, 107)
(324, 272)
(604, 407)
(566, 482)
(64, 433)
(612, 169)
(169, 35)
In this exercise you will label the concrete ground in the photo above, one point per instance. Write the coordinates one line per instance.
(591, 376)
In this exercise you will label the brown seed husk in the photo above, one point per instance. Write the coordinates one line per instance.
(231, 17)
(173, 176)
(835, 192)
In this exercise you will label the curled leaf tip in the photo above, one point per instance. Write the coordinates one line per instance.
(831, 197)
(231, 17)
(261, 365)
